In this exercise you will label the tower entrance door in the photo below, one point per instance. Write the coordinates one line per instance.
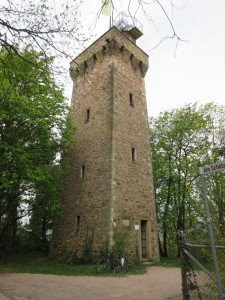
(143, 239)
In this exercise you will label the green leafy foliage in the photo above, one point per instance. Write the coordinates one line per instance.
(182, 140)
(121, 241)
(34, 132)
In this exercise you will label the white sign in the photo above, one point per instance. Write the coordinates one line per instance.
(212, 168)
(136, 227)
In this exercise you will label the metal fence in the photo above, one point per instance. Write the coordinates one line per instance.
(199, 280)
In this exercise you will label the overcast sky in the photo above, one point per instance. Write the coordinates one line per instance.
(195, 70)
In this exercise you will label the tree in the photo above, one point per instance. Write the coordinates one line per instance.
(53, 30)
(34, 132)
(215, 182)
(182, 140)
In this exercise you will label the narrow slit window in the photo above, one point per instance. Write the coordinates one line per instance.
(78, 224)
(133, 154)
(94, 57)
(87, 115)
(85, 66)
(131, 100)
(141, 66)
(82, 172)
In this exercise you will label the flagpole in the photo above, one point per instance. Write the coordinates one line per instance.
(107, 10)
(111, 15)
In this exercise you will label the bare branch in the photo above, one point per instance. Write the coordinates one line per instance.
(53, 33)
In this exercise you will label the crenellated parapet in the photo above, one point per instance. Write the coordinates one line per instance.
(111, 43)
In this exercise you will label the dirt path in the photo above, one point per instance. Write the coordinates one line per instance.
(159, 283)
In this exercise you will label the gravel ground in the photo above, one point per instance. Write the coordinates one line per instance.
(157, 284)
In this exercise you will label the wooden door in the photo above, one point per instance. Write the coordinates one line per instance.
(144, 239)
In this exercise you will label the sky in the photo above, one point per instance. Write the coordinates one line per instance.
(192, 70)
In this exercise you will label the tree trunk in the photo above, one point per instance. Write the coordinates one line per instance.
(9, 230)
(165, 251)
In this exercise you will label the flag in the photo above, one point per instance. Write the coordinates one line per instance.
(106, 7)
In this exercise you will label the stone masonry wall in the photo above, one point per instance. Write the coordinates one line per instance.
(115, 191)
(134, 196)
(88, 198)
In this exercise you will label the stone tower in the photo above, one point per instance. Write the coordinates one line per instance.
(109, 185)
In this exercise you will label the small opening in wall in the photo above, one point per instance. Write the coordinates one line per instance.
(122, 48)
(107, 40)
(87, 115)
(131, 56)
(94, 57)
(141, 66)
(133, 154)
(85, 66)
(82, 172)
(78, 224)
(131, 97)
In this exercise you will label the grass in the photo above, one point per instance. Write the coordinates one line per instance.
(169, 262)
(37, 263)
(136, 268)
